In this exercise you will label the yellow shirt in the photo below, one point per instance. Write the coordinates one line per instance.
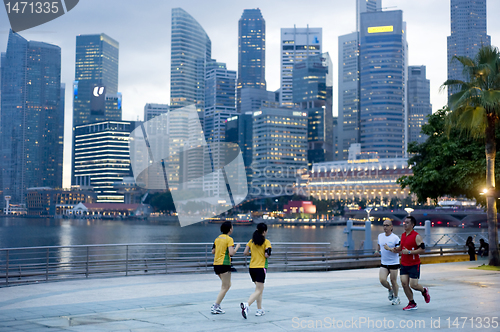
(221, 252)
(258, 259)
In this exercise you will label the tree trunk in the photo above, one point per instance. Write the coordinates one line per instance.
(491, 199)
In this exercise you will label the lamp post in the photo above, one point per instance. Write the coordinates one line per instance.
(368, 209)
(409, 210)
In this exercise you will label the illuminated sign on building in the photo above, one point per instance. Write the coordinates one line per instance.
(387, 28)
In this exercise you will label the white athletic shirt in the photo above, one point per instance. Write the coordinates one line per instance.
(388, 258)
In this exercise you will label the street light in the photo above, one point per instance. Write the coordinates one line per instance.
(409, 210)
(368, 209)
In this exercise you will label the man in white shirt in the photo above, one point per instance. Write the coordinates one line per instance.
(390, 261)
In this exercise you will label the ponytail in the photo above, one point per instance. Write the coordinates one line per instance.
(258, 237)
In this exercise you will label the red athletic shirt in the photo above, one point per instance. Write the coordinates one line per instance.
(408, 242)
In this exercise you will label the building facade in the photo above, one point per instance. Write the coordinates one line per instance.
(348, 82)
(251, 52)
(419, 103)
(190, 50)
(279, 150)
(313, 84)
(153, 110)
(383, 76)
(468, 34)
(102, 157)
(296, 45)
(32, 117)
(220, 104)
(364, 177)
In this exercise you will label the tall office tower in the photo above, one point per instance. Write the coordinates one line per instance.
(419, 103)
(468, 33)
(190, 50)
(383, 76)
(348, 91)
(251, 52)
(220, 104)
(31, 118)
(102, 157)
(312, 90)
(153, 110)
(296, 45)
(96, 75)
(95, 89)
(279, 150)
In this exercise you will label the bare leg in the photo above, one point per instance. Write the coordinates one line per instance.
(415, 285)
(382, 275)
(226, 284)
(405, 283)
(257, 295)
(394, 281)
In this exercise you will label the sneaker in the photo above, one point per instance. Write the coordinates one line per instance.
(391, 295)
(396, 300)
(217, 310)
(426, 295)
(260, 312)
(411, 306)
(244, 310)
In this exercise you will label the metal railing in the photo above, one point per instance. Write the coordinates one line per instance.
(39, 264)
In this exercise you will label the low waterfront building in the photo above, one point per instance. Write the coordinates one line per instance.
(110, 210)
(357, 178)
(49, 202)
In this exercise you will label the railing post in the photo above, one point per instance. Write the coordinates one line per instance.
(126, 261)
(286, 258)
(206, 257)
(47, 267)
(441, 251)
(7, 268)
(87, 264)
(166, 258)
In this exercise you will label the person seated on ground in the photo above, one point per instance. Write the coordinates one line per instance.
(484, 247)
(471, 250)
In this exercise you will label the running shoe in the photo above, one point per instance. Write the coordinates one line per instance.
(391, 295)
(411, 306)
(216, 309)
(396, 300)
(260, 312)
(244, 310)
(426, 295)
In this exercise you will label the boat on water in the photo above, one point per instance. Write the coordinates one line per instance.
(241, 219)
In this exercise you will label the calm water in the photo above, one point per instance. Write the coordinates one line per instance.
(27, 232)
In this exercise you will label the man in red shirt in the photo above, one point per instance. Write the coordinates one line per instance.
(411, 247)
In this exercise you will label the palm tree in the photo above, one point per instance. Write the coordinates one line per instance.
(475, 109)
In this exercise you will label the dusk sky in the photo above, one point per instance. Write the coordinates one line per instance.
(143, 30)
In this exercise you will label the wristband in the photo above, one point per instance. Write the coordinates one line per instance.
(409, 252)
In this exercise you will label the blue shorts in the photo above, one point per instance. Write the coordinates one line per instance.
(412, 270)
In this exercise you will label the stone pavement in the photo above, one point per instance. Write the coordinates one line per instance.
(461, 299)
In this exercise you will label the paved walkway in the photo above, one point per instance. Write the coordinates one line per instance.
(339, 300)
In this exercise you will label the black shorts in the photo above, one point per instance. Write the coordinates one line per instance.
(412, 270)
(391, 267)
(219, 269)
(258, 274)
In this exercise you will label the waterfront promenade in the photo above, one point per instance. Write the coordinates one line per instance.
(339, 300)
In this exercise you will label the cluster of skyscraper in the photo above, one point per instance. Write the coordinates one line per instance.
(382, 101)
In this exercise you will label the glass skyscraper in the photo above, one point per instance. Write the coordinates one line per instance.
(348, 80)
(95, 89)
(96, 65)
(468, 33)
(419, 103)
(251, 51)
(32, 117)
(383, 76)
(190, 50)
(312, 90)
(296, 45)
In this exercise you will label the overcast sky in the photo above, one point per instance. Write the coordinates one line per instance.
(143, 30)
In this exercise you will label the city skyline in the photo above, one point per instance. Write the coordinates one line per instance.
(144, 37)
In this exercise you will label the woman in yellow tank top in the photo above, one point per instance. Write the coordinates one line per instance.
(260, 249)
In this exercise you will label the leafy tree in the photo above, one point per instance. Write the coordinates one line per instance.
(475, 109)
(162, 202)
(444, 164)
